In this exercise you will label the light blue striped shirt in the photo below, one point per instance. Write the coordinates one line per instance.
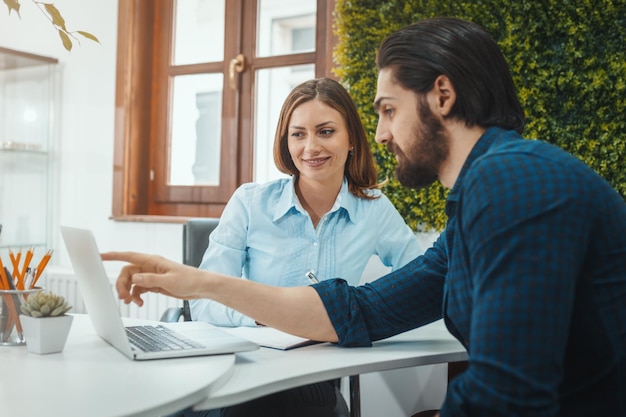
(266, 236)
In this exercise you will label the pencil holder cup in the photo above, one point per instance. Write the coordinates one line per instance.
(11, 332)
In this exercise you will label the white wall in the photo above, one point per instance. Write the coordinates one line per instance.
(84, 153)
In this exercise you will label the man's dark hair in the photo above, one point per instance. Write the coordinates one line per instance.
(468, 56)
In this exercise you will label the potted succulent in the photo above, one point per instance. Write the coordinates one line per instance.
(45, 324)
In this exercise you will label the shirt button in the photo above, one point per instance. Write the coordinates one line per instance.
(315, 244)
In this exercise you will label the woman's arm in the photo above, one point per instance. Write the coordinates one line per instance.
(396, 243)
(226, 254)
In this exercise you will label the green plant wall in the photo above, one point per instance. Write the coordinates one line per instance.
(567, 58)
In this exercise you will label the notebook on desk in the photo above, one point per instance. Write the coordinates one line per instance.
(183, 338)
(270, 337)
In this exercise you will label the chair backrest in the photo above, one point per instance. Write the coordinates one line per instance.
(195, 242)
(196, 239)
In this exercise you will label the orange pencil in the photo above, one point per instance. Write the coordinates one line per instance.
(3, 278)
(20, 280)
(15, 260)
(41, 267)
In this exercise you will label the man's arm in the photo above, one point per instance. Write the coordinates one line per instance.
(295, 310)
(402, 300)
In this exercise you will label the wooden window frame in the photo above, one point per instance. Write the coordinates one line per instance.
(137, 90)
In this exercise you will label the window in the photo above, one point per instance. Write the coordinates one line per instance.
(199, 87)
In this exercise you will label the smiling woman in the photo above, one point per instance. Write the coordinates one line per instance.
(328, 216)
(319, 145)
(327, 219)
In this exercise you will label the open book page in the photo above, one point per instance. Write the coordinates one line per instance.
(270, 337)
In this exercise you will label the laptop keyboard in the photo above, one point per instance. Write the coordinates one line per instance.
(158, 338)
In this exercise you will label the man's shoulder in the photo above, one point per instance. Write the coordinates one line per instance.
(525, 151)
(527, 167)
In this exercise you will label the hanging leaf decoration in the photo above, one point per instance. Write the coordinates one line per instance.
(13, 5)
(67, 42)
(54, 15)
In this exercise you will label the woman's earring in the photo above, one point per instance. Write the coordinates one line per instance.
(351, 151)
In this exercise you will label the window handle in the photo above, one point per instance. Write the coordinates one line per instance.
(237, 65)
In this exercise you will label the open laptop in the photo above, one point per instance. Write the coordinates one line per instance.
(198, 338)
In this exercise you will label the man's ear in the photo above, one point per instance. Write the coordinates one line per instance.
(444, 95)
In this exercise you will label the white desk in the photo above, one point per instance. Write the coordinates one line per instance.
(266, 371)
(91, 378)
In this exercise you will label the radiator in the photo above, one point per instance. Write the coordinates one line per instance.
(65, 284)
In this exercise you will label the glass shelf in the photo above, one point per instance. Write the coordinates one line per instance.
(22, 148)
(28, 102)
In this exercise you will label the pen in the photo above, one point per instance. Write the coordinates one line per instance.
(29, 279)
(311, 276)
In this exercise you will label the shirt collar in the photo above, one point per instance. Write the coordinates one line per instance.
(482, 146)
(289, 201)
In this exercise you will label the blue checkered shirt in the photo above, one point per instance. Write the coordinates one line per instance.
(529, 274)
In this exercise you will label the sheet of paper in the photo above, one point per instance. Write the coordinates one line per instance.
(270, 337)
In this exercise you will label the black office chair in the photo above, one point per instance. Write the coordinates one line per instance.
(195, 241)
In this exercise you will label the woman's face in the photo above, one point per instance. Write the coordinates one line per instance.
(318, 142)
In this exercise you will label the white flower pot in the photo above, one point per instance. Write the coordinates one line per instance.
(46, 334)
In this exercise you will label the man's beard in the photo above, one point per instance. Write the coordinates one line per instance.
(419, 166)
